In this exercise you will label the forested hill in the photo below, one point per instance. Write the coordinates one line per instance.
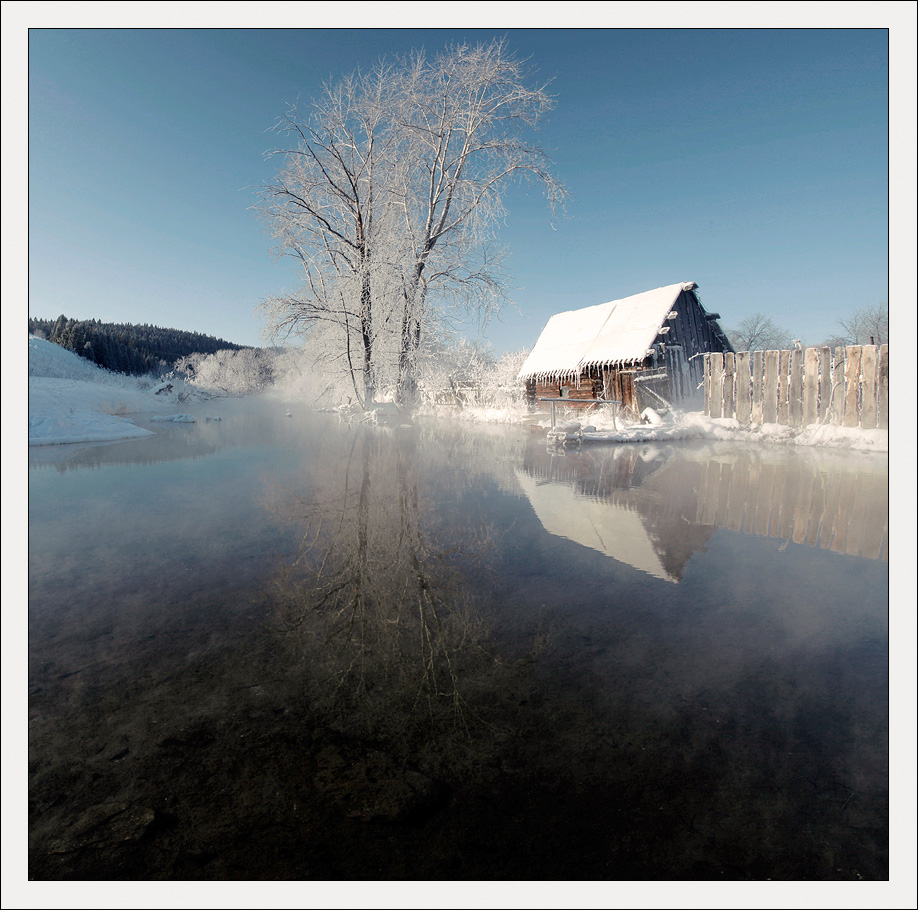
(126, 348)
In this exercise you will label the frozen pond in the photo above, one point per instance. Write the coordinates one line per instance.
(273, 647)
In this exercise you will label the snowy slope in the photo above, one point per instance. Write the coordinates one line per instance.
(73, 400)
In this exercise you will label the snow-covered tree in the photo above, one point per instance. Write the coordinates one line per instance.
(389, 196)
(463, 123)
(229, 372)
(327, 208)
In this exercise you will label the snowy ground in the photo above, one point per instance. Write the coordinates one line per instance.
(681, 425)
(72, 400)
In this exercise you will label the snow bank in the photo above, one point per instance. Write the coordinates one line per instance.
(52, 361)
(694, 425)
(72, 400)
(70, 410)
(667, 427)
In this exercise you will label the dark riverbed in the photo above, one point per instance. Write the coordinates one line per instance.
(274, 647)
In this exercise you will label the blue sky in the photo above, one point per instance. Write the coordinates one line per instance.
(751, 161)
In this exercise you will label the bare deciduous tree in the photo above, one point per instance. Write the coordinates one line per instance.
(758, 332)
(390, 195)
(867, 325)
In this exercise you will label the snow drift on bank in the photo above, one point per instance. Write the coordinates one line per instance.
(694, 425)
(73, 400)
(599, 428)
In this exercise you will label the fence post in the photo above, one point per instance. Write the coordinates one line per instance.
(795, 390)
(883, 389)
(783, 370)
(770, 406)
(706, 370)
(717, 384)
(852, 385)
(825, 380)
(838, 387)
(729, 372)
(810, 385)
(869, 387)
(743, 388)
(758, 370)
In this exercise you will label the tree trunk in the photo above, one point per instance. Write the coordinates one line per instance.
(411, 342)
(407, 361)
(366, 330)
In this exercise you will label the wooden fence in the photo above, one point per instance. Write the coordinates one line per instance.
(846, 387)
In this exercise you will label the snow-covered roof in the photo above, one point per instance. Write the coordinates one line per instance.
(617, 332)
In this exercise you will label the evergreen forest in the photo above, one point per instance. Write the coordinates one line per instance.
(126, 348)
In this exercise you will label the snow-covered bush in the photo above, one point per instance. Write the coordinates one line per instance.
(456, 374)
(228, 372)
(505, 390)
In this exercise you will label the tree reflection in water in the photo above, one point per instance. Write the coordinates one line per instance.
(382, 606)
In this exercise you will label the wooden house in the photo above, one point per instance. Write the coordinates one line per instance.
(642, 351)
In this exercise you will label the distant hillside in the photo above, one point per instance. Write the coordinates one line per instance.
(126, 348)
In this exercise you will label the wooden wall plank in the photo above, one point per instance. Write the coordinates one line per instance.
(852, 385)
(825, 380)
(770, 394)
(758, 375)
(869, 376)
(810, 386)
(837, 406)
(783, 370)
(795, 389)
(883, 388)
(743, 389)
(707, 384)
(729, 374)
(717, 385)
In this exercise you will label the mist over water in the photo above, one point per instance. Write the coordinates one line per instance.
(284, 647)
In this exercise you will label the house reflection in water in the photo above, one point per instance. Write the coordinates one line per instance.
(652, 507)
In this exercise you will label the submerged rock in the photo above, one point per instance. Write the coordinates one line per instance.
(369, 784)
(107, 824)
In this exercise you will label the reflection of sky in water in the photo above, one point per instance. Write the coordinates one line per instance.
(738, 654)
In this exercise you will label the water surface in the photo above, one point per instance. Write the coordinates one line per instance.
(280, 647)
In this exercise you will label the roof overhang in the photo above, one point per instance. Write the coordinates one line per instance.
(616, 333)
